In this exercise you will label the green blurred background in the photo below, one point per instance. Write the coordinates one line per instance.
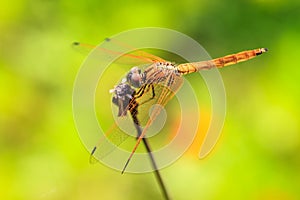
(41, 154)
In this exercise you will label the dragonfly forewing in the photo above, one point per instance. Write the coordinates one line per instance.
(117, 49)
(157, 89)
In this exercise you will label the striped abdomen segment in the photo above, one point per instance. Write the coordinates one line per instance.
(188, 68)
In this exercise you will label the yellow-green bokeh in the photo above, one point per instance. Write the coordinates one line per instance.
(41, 155)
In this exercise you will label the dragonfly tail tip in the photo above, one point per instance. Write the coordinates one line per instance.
(261, 51)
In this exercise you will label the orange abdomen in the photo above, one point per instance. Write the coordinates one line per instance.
(187, 68)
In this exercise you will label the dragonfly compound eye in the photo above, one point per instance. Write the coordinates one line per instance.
(136, 80)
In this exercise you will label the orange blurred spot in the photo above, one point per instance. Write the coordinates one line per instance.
(205, 117)
(193, 150)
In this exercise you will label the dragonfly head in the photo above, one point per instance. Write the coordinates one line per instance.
(135, 77)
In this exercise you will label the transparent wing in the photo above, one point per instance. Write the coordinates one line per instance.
(158, 90)
(114, 48)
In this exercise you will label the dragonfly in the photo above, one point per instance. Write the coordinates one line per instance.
(156, 84)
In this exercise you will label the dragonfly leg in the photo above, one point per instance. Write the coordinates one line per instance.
(153, 94)
(153, 91)
(141, 91)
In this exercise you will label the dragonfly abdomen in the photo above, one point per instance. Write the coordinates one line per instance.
(188, 68)
(238, 57)
(232, 59)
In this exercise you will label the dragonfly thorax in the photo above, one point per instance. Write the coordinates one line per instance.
(167, 67)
